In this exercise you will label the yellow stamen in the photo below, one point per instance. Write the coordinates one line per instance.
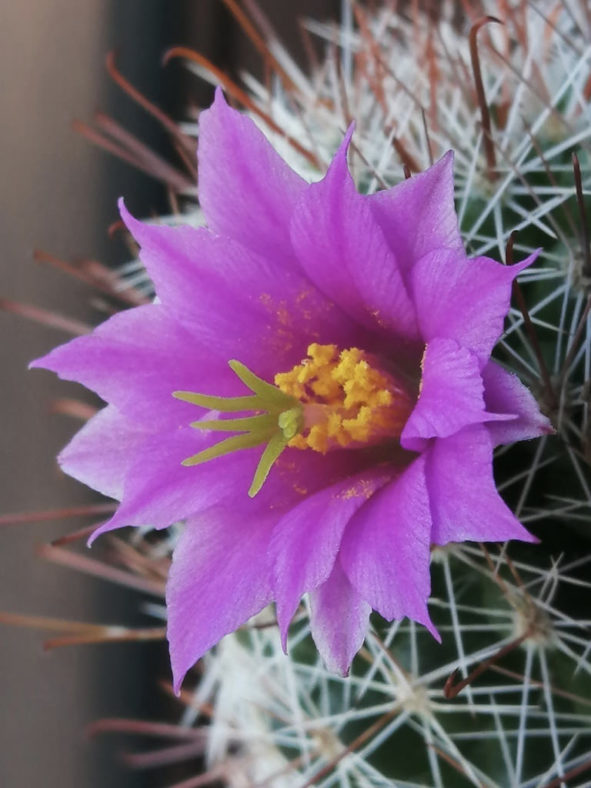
(347, 400)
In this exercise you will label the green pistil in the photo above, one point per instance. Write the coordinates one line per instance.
(277, 420)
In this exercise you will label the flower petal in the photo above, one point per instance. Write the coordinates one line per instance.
(338, 619)
(234, 302)
(451, 396)
(136, 359)
(505, 393)
(100, 454)
(306, 540)
(220, 577)
(463, 299)
(417, 216)
(342, 249)
(159, 490)
(246, 190)
(386, 548)
(465, 504)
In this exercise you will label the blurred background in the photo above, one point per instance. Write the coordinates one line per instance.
(59, 196)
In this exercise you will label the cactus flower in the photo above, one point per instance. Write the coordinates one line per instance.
(340, 343)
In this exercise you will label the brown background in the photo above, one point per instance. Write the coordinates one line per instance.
(59, 194)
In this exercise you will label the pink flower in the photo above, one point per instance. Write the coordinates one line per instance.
(363, 335)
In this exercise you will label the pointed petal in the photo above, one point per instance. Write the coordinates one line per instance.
(246, 190)
(465, 504)
(306, 540)
(338, 620)
(463, 299)
(159, 490)
(100, 454)
(342, 249)
(234, 302)
(136, 360)
(418, 215)
(386, 548)
(451, 397)
(219, 578)
(505, 393)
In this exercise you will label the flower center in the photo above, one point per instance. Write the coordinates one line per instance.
(347, 400)
(332, 400)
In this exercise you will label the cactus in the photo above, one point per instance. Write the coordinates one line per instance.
(512, 100)
(505, 700)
